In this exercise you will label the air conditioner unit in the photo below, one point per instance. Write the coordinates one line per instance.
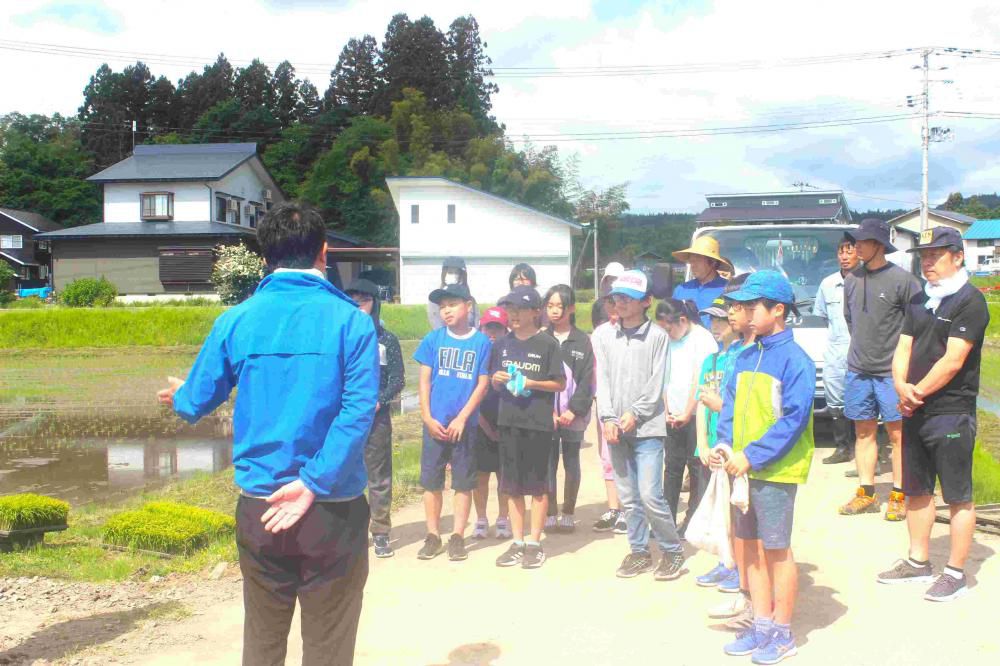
(234, 205)
(267, 195)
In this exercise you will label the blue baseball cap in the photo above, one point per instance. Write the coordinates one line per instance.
(768, 284)
(523, 297)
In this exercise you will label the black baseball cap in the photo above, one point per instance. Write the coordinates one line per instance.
(873, 229)
(453, 262)
(363, 286)
(938, 237)
(456, 290)
(524, 297)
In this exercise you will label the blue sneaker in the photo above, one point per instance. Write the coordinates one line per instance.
(712, 578)
(730, 582)
(775, 649)
(747, 642)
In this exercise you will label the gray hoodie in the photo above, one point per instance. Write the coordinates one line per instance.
(630, 375)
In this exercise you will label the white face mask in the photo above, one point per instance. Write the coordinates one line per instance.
(451, 278)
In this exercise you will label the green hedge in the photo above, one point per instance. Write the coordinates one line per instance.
(167, 527)
(19, 512)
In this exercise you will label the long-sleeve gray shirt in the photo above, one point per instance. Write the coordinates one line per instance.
(630, 368)
(874, 307)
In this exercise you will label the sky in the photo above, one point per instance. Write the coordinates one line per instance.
(704, 65)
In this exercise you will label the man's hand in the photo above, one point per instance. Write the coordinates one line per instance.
(288, 504)
(436, 430)
(565, 419)
(611, 432)
(910, 397)
(738, 465)
(455, 429)
(710, 399)
(681, 420)
(166, 396)
(628, 422)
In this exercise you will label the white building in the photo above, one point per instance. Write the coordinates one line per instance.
(905, 231)
(439, 218)
(982, 246)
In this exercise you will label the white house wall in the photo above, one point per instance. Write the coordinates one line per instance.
(122, 203)
(245, 183)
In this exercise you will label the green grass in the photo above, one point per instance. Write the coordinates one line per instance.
(68, 328)
(980, 282)
(993, 330)
(167, 527)
(985, 477)
(18, 512)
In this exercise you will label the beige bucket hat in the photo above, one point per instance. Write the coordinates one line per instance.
(706, 246)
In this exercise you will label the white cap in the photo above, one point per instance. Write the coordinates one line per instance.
(614, 269)
(632, 284)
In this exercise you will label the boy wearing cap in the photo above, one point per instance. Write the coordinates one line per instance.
(936, 370)
(875, 300)
(378, 449)
(767, 419)
(525, 420)
(453, 381)
(631, 358)
(494, 324)
(704, 260)
(453, 271)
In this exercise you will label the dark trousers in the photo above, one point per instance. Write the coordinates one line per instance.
(323, 562)
(378, 460)
(679, 450)
(569, 442)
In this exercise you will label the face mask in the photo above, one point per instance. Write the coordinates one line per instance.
(451, 278)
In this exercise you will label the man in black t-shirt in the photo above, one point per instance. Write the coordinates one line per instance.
(936, 373)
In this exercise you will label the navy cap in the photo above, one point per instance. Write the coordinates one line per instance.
(874, 229)
(522, 297)
(456, 290)
(768, 284)
(453, 262)
(717, 309)
(938, 237)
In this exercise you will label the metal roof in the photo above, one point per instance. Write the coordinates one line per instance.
(769, 213)
(33, 221)
(147, 230)
(193, 161)
(983, 230)
(20, 260)
(801, 193)
(946, 214)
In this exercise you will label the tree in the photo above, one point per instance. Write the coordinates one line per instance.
(286, 92)
(414, 55)
(309, 105)
(470, 71)
(227, 122)
(197, 93)
(354, 80)
(254, 87)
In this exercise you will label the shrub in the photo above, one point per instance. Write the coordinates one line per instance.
(89, 293)
(29, 303)
(6, 276)
(6, 298)
(236, 273)
(19, 512)
(167, 527)
(216, 523)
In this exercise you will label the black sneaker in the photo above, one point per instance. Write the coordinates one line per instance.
(512, 557)
(382, 547)
(904, 572)
(431, 548)
(621, 526)
(606, 522)
(946, 588)
(670, 567)
(841, 455)
(635, 564)
(456, 548)
(533, 557)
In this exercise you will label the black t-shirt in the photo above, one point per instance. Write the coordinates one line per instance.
(963, 315)
(489, 408)
(539, 359)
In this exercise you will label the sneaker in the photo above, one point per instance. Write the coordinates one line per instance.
(895, 511)
(481, 529)
(860, 504)
(841, 455)
(551, 524)
(432, 547)
(746, 642)
(712, 578)
(607, 521)
(621, 526)
(533, 557)
(503, 529)
(946, 588)
(775, 649)
(512, 557)
(456, 548)
(566, 523)
(635, 564)
(731, 583)
(904, 572)
(742, 621)
(671, 566)
(730, 609)
(382, 547)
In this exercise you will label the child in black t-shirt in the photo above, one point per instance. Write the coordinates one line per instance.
(525, 419)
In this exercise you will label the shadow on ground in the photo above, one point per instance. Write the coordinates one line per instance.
(817, 606)
(472, 654)
(979, 553)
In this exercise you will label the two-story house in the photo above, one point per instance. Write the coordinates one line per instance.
(165, 209)
(439, 217)
(775, 208)
(28, 256)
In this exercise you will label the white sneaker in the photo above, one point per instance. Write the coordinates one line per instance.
(566, 523)
(732, 608)
(482, 529)
(502, 528)
(550, 523)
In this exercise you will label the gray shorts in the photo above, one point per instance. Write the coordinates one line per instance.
(769, 518)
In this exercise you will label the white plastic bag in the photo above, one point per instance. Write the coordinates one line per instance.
(710, 526)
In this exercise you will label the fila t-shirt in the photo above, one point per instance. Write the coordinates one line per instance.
(456, 365)
(963, 315)
(539, 359)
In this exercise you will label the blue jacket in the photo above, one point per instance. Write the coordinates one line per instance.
(767, 409)
(701, 294)
(305, 363)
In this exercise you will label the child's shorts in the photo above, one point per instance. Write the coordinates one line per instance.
(524, 461)
(435, 456)
(487, 454)
(769, 518)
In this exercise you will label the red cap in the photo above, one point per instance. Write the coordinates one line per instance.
(495, 315)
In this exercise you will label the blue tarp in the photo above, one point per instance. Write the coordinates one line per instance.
(42, 293)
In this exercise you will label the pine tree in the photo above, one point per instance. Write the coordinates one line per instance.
(286, 91)
(354, 81)
(414, 55)
(254, 87)
(470, 71)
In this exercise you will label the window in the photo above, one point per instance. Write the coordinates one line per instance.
(157, 205)
(772, 202)
(414, 214)
(11, 242)
(236, 214)
(221, 209)
(43, 246)
(718, 204)
(828, 201)
(43, 272)
(451, 213)
(988, 242)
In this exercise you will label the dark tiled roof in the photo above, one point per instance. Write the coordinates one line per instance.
(148, 229)
(21, 257)
(39, 222)
(195, 161)
(769, 213)
(946, 214)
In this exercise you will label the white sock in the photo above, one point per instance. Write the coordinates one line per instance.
(957, 575)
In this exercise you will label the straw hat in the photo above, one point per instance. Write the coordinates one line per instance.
(705, 246)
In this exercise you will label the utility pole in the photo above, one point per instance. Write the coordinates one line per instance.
(925, 140)
(597, 275)
(133, 135)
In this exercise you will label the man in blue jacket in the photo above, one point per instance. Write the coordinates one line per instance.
(304, 360)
